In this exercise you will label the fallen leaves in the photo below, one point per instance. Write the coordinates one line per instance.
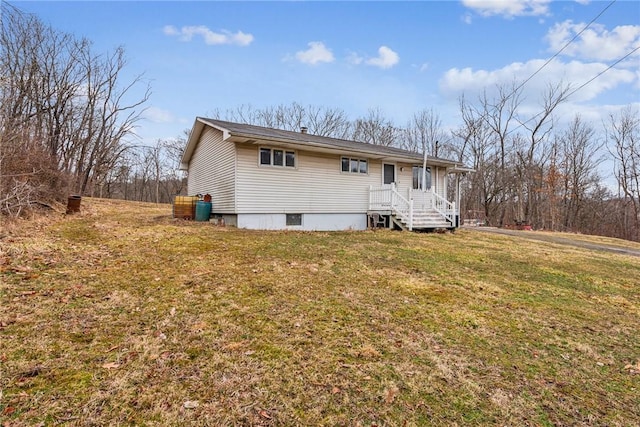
(633, 369)
(351, 327)
(111, 365)
(8, 321)
(235, 346)
(368, 351)
(191, 404)
(264, 414)
(390, 394)
(21, 269)
(199, 327)
(32, 372)
(24, 294)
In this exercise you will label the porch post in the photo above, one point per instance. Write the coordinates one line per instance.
(457, 205)
(424, 168)
(410, 214)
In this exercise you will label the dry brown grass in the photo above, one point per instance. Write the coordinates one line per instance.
(121, 315)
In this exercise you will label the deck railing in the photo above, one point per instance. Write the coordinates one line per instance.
(402, 207)
(446, 208)
(380, 198)
(422, 200)
(387, 198)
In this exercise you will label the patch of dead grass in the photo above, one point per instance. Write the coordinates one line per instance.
(122, 315)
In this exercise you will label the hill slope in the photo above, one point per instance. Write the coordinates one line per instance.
(122, 315)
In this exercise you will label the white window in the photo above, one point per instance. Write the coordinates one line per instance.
(417, 177)
(277, 157)
(351, 165)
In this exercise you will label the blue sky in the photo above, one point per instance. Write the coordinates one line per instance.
(400, 57)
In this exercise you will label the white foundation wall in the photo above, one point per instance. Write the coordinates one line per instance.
(310, 222)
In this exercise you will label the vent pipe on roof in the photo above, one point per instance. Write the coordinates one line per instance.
(303, 129)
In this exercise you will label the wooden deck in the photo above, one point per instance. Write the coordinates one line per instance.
(420, 210)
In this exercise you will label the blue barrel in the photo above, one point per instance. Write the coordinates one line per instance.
(203, 211)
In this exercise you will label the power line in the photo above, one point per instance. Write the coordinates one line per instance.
(580, 87)
(515, 90)
(603, 71)
(563, 47)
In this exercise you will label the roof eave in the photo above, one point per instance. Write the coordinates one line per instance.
(237, 137)
(330, 148)
(461, 169)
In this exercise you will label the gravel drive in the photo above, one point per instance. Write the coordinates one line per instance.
(562, 240)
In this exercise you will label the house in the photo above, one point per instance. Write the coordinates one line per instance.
(270, 179)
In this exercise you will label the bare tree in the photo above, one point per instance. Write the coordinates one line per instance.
(424, 133)
(477, 144)
(173, 179)
(244, 113)
(374, 128)
(532, 156)
(28, 166)
(498, 114)
(322, 121)
(623, 142)
(327, 121)
(581, 158)
(63, 107)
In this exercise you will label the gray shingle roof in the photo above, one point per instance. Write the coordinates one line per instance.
(259, 132)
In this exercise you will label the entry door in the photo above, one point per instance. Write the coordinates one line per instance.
(388, 173)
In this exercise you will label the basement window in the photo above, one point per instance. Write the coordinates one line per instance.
(294, 219)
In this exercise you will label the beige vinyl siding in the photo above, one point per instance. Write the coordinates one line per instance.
(440, 181)
(404, 178)
(212, 170)
(315, 185)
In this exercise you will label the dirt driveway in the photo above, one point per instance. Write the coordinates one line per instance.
(562, 239)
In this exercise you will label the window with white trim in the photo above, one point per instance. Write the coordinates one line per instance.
(417, 177)
(351, 165)
(277, 157)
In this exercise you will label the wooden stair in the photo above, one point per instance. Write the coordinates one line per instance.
(423, 220)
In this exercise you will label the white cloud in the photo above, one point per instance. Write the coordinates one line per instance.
(210, 37)
(158, 115)
(354, 59)
(316, 53)
(509, 8)
(472, 83)
(596, 43)
(170, 30)
(386, 58)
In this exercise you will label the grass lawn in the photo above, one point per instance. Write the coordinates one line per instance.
(121, 315)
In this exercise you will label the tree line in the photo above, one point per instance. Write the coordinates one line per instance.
(66, 114)
(67, 120)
